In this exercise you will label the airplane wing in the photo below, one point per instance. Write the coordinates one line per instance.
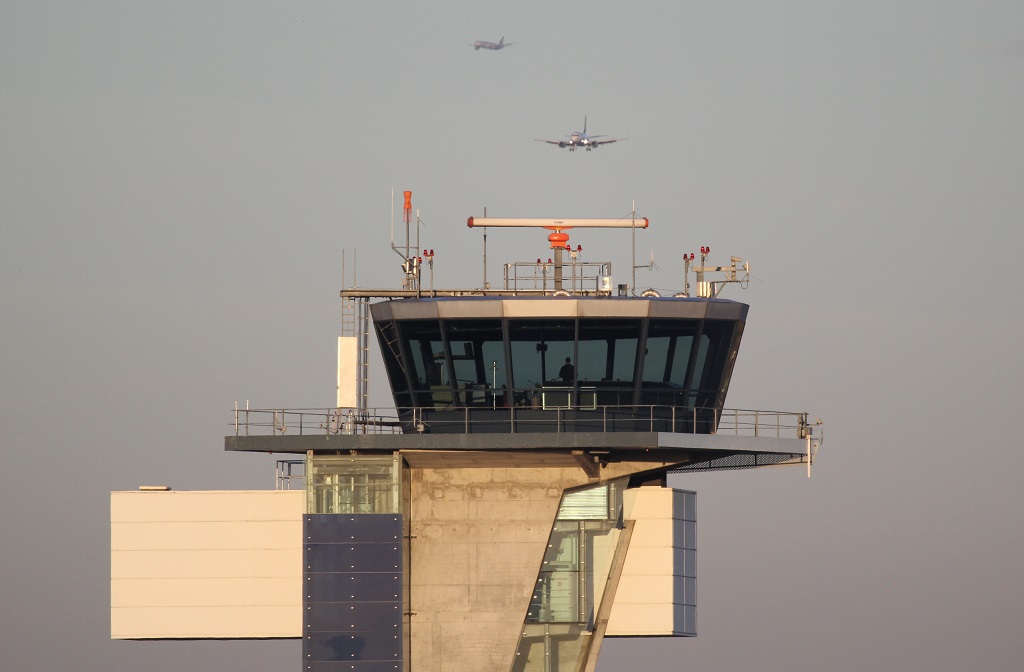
(595, 143)
(561, 143)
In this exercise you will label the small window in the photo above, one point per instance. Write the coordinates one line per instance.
(352, 485)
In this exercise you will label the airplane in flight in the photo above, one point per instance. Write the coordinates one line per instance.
(493, 46)
(580, 139)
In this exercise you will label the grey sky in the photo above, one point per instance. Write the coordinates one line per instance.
(178, 181)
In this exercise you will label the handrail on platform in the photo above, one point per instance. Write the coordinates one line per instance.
(653, 418)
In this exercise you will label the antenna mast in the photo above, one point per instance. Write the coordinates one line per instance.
(487, 285)
(410, 262)
(632, 287)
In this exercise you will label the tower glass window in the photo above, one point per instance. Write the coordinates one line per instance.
(606, 361)
(539, 350)
(429, 374)
(337, 484)
(478, 362)
(544, 366)
(667, 361)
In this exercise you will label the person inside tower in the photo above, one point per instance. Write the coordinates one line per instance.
(567, 372)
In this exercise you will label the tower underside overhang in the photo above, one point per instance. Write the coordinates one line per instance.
(604, 455)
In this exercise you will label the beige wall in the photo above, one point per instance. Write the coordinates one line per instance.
(206, 564)
(657, 590)
(228, 564)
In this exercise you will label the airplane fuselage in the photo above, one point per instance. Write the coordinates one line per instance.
(493, 46)
(577, 139)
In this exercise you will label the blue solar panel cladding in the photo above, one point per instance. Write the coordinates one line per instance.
(352, 592)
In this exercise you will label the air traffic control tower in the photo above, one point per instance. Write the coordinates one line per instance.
(511, 510)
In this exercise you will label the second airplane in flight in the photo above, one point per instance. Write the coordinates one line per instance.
(495, 46)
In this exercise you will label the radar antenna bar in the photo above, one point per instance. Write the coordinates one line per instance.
(558, 224)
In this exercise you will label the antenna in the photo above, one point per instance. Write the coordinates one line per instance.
(559, 240)
(650, 265)
(632, 287)
(410, 263)
(711, 289)
(487, 285)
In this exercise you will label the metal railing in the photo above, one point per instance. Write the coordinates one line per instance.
(576, 277)
(651, 418)
(289, 472)
(314, 421)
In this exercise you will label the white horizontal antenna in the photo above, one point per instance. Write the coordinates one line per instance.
(638, 223)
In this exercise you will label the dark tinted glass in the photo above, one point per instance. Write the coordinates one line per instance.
(540, 349)
(478, 352)
(428, 364)
(607, 350)
(667, 357)
(710, 358)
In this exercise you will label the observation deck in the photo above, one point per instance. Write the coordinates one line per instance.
(553, 362)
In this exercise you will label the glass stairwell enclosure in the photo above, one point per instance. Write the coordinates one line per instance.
(560, 622)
